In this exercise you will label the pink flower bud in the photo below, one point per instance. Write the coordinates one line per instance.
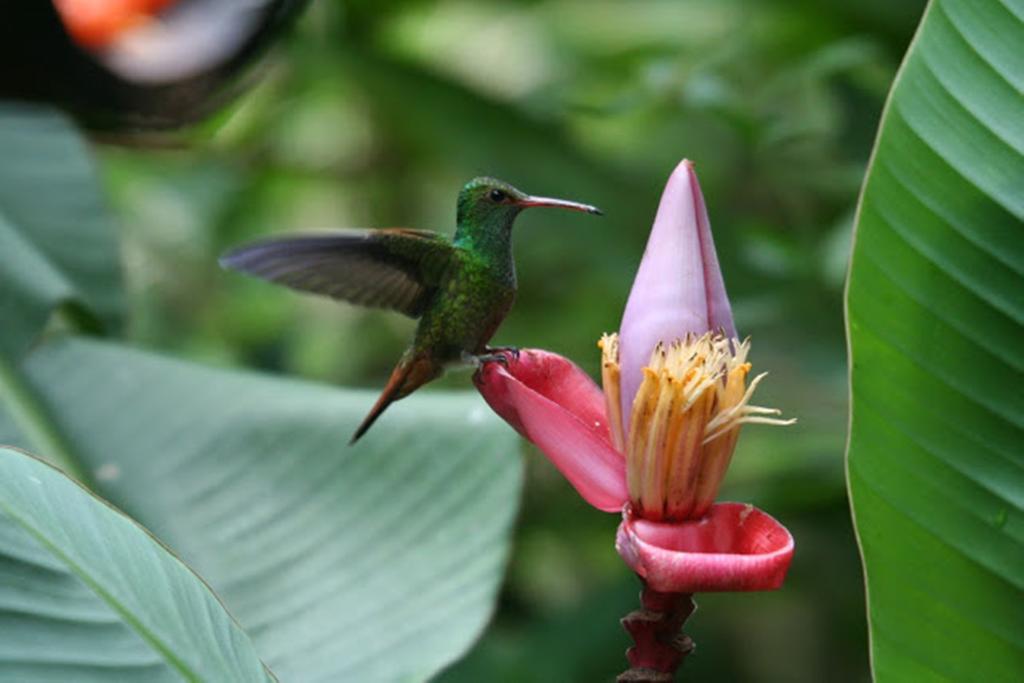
(678, 288)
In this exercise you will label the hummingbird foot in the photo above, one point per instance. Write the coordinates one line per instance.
(494, 350)
(480, 359)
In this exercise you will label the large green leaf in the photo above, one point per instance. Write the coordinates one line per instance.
(936, 322)
(88, 595)
(376, 562)
(56, 239)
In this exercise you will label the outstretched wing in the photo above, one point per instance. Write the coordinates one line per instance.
(394, 268)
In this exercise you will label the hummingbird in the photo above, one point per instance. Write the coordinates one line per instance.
(460, 289)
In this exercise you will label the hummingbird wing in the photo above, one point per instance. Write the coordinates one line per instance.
(394, 268)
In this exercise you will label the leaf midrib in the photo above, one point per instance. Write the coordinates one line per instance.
(96, 586)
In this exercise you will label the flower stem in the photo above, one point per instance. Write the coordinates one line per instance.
(660, 645)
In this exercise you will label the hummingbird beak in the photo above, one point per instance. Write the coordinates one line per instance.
(559, 203)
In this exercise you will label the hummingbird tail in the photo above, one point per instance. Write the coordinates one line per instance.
(408, 376)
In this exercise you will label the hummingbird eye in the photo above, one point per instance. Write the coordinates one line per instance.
(497, 196)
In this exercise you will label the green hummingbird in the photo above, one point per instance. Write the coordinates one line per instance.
(461, 289)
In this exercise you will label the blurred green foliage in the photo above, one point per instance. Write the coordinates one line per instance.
(375, 113)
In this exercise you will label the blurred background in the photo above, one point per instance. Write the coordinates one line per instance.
(373, 114)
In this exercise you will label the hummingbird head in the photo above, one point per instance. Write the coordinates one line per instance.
(491, 202)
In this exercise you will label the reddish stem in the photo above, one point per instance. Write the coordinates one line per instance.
(660, 645)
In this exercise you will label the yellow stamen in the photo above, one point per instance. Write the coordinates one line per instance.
(718, 447)
(686, 459)
(685, 420)
(652, 488)
(609, 346)
(636, 449)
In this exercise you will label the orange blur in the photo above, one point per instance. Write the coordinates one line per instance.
(97, 23)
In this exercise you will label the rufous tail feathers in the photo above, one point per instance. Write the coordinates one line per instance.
(408, 376)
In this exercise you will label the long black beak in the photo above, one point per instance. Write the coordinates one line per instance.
(559, 203)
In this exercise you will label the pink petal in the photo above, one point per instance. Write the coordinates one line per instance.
(678, 287)
(556, 405)
(735, 547)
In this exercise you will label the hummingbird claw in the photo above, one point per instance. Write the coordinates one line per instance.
(514, 350)
(492, 356)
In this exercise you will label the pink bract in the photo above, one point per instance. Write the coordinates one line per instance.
(735, 547)
(554, 404)
(678, 288)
